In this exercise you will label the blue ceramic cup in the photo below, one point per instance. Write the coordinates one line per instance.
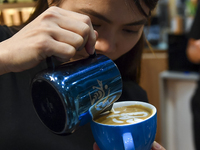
(70, 95)
(136, 136)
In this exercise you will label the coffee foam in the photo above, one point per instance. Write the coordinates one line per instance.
(134, 117)
(125, 115)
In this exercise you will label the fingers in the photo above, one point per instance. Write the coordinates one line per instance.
(56, 32)
(90, 44)
(68, 37)
(62, 51)
(157, 146)
(76, 23)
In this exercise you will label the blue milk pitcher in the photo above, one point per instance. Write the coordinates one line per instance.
(70, 95)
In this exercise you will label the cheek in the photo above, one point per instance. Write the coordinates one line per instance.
(128, 44)
(136, 38)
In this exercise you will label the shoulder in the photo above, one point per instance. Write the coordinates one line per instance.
(5, 32)
(132, 91)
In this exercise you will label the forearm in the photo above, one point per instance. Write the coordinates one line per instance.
(193, 51)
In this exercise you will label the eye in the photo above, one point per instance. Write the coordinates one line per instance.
(130, 31)
(96, 26)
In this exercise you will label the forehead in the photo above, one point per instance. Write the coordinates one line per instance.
(115, 9)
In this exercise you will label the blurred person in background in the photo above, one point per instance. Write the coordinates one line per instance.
(193, 53)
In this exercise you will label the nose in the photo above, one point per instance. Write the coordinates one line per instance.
(106, 43)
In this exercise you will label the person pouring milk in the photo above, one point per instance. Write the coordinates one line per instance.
(66, 29)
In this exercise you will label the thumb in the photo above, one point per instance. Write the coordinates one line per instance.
(157, 146)
(95, 146)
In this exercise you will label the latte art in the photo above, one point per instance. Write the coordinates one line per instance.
(125, 115)
(128, 117)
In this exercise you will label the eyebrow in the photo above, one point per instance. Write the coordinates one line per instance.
(98, 15)
(140, 22)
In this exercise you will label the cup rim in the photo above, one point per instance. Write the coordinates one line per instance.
(135, 103)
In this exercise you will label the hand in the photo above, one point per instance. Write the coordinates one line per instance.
(193, 50)
(95, 146)
(56, 32)
(155, 146)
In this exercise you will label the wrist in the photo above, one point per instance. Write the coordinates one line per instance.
(3, 59)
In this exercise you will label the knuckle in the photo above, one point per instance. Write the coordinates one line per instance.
(48, 15)
(43, 45)
(86, 19)
(53, 9)
(52, 12)
(85, 30)
(93, 37)
(78, 41)
(70, 52)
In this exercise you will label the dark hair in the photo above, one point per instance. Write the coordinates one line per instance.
(130, 63)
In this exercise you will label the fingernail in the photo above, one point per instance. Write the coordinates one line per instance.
(93, 55)
(156, 145)
(94, 52)
(90, 50)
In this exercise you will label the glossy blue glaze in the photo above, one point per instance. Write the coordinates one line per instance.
(110, 137)
(71, 89)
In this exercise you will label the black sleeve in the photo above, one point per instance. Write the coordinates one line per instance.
(5, 33)
(195, 29)
(133, 92)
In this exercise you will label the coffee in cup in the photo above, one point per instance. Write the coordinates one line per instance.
(125, 115)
